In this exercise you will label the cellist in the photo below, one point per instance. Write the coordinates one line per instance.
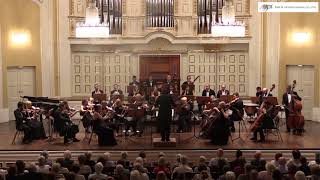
(288, 99)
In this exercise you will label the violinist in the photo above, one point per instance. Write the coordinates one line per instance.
(219, 130)
(184, 122)
(288, 101)
(22, 125)
(263, 121)
(85, 112)
(236, 106)
(154, 94)
(187, 87)
(34, 120)
(105, 133)
(119, 114)
(116, 90)
(223, 91)
(64, 125)
(97, 89)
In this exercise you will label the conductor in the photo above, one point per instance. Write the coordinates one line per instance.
(165, 103)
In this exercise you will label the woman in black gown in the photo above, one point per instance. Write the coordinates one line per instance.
(220, 131)
(105, 133)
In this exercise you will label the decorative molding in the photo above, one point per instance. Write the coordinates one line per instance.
(38, 2)
(1, 74)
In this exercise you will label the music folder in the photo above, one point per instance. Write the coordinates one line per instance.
(226, 98)
(100, 97)
(203, 99)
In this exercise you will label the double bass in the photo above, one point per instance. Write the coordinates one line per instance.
(295, 118)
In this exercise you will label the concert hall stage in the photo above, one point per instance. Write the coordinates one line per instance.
(184, 141)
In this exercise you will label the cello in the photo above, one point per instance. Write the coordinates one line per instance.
(295, 118)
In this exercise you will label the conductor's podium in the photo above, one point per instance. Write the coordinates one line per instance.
(158, 143)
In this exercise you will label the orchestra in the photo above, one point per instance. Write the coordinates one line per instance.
(218, 112)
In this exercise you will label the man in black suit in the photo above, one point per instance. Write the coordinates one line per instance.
(237, 110)
(287, 99)
(207, 92)
(134, 81)
(97, 90)
(223, 91)
(22, 124)
(165, 103)
(116, 90)
(259, 92)
(150, 82)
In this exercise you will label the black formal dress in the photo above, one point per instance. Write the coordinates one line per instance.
(105, 133)
(21, 125)
(184, 122)
(165, 103)
(220, 130)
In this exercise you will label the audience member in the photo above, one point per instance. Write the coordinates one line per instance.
(42, 166)
(84, 169)
(97, 175)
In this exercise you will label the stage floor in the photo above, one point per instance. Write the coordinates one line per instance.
(184, 141)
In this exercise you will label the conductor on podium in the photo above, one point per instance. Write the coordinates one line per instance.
(165, 103)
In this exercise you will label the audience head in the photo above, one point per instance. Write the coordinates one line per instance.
(162, 154)
(55, 168)
(184, 160)
(135, 175)
(300, 175)
(67, 154)
(20, 165)
(142, 154)
(124, 155)
(139, 160)
(253, 174)
(220, 152)
(75, 168)
(162, 162)
(98, 168)
(202, 160)
(258, 155)
(41, 160)
(315, 170)
(277, 156)
(88, 155)
(238, 153)
(45, 154)
(107, 156)
(82, 159)
(139, 167)
(277, 175)
(296, 154)
(270, 167)
(303, 160)
(230, 175)
(32, 167)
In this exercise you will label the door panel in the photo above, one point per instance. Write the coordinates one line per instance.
(20, 82)
(304, 75)
(159, 66)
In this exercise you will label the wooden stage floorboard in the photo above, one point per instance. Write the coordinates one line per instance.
(184, 141)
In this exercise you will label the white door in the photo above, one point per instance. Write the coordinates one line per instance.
(20, 82)
(304, 75)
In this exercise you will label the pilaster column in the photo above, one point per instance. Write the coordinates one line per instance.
(255, 48)
(47, 47)
(64, 49)
(1, 74)
(272, 50)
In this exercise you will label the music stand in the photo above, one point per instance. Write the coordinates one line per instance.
(115, 97)
(226, 98)
(255, 99)
(272, 100)
(99, 97)
(203, 99)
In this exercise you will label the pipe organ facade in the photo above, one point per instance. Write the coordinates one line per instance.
(159, 27)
